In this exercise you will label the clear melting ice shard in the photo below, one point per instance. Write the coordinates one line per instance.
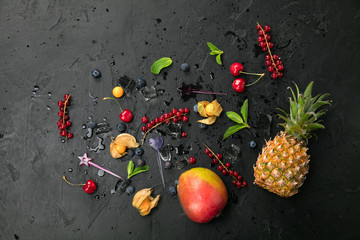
(263, 124)
(101, 173)
(149, 92)
(174, 130)
(165, 153)
(181, 163)
(102, 127)
(126, 83)
(233, 153)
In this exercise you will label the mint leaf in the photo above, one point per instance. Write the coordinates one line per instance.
(244, 111)
(212, 47)
(160, 64)
(234, 117)
(233, 129)
(218, 59)
(139, 170)
(130, 167)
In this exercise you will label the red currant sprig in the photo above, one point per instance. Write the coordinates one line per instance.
(175, 116)
(273, 62)
(225, 168)
(64, 121)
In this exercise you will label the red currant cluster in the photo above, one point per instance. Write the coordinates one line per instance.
(176, 115)
(64, 121)
(225, 168)
(273, 62)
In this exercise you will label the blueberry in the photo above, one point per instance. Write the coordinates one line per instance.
(139, 151)
(172, 191)
(202, 126)
(96, 73)
(91, 124)
(196, 108)
(130, 190)
(167, 165)
(140, 83)
(121, 127)
(177, 182)
(130, 152)
(185, 67)
(140, 162)
(252, 144)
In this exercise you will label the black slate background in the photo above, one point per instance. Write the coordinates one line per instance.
(56, 44)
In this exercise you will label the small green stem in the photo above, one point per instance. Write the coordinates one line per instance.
(110, 98)
(261, 75)
(256, 74)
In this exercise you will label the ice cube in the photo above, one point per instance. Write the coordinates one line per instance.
(126, 83)
(263, 125)
(148, 92)
(165, 153)
(101, 173)
(233, 153)
(174, 130)
(181, 163)
(102, 127)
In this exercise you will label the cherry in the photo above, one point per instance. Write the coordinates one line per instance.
(215, 161)
(144, 119)
(236, 68)
(70, 135)
(143, 128)
(224, 172)
(184, 134)
(185, 118)
(60, 103)
(192, 160)
(219, 156)
(228, 165)
(207, 151)
(63, 133)
(89, 186)
(220, 168)
(126, 116)
(239, 85)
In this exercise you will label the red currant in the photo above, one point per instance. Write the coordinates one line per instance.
(220, 168)
(66, 96)
(238, 184)
(162, 118)
(67, 103)
(219, 156)
(143, 128)
(270, 68)
(244, 184)
(261, 32)
(181, 110)
(187, 110)
(233, 182)
(148, 125)
(207, 151)
(144, 119)
(166, 115)
(66, 117)
(268, 63)
(63, 133)
(236, 69)
(260, 39)
(267, 37)
(61, 114)
(264, 49)
(171, 114)
(184, 134)
(59, 122)
(267, 28)
(271, 45)
(262, 44)
(168, 121)
(68, 123)
(60, 103)
(185, 118)
(236, 174)
(215, 161)
(239, 178)
(61, 109)
(267, 58)
(62, 127)
(279, 74)
(70, 135)
(275, 57)
(175, 120)
(231, 172)
(178, 114)
(152, 122)
(192, 160)
(228, 165)
(224, 172)
(174, 110)
(280, 67)
(273, 75)
(239, 85)
(258, 27)
(278, 62)
(157, 120)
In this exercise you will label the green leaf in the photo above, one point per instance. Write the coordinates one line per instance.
(130, 167)
(308, 89)
(218, 59)
(315, 126)
(233, 129)
(139, 170)
(244, 110)
(160, 64)
(212, 47)
(234, 117)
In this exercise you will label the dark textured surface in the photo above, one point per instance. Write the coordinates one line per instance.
(56, 44)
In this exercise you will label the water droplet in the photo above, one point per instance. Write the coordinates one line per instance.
(70, 169)
(49, 94)
(85, 173)
(212, 75)
(1, 135)
(84, 126)
(97, 197)
(62, 140)
(36, 88)
(38, 110)
(50, 99)
(105, 119)
(112, 63)
(48, 108)
(74, 87)
(32, 97)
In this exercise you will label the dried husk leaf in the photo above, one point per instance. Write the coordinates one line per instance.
(201, 108)
(217, 109)
(208, 121)
(143, 202)
(115, 153)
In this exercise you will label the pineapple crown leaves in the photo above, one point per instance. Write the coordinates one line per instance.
(304, 114)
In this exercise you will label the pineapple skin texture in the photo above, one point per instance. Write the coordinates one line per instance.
(282, 166)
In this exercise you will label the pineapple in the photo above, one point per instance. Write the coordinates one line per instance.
(282, 166)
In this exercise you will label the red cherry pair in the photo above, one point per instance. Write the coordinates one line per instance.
(239, 84)
(125, 115)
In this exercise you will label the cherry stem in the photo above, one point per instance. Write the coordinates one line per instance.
(268, 48)
(220, 162)
(261, 75)
(110, 98)
(149, 130)
(72, 183)
(256, 74)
